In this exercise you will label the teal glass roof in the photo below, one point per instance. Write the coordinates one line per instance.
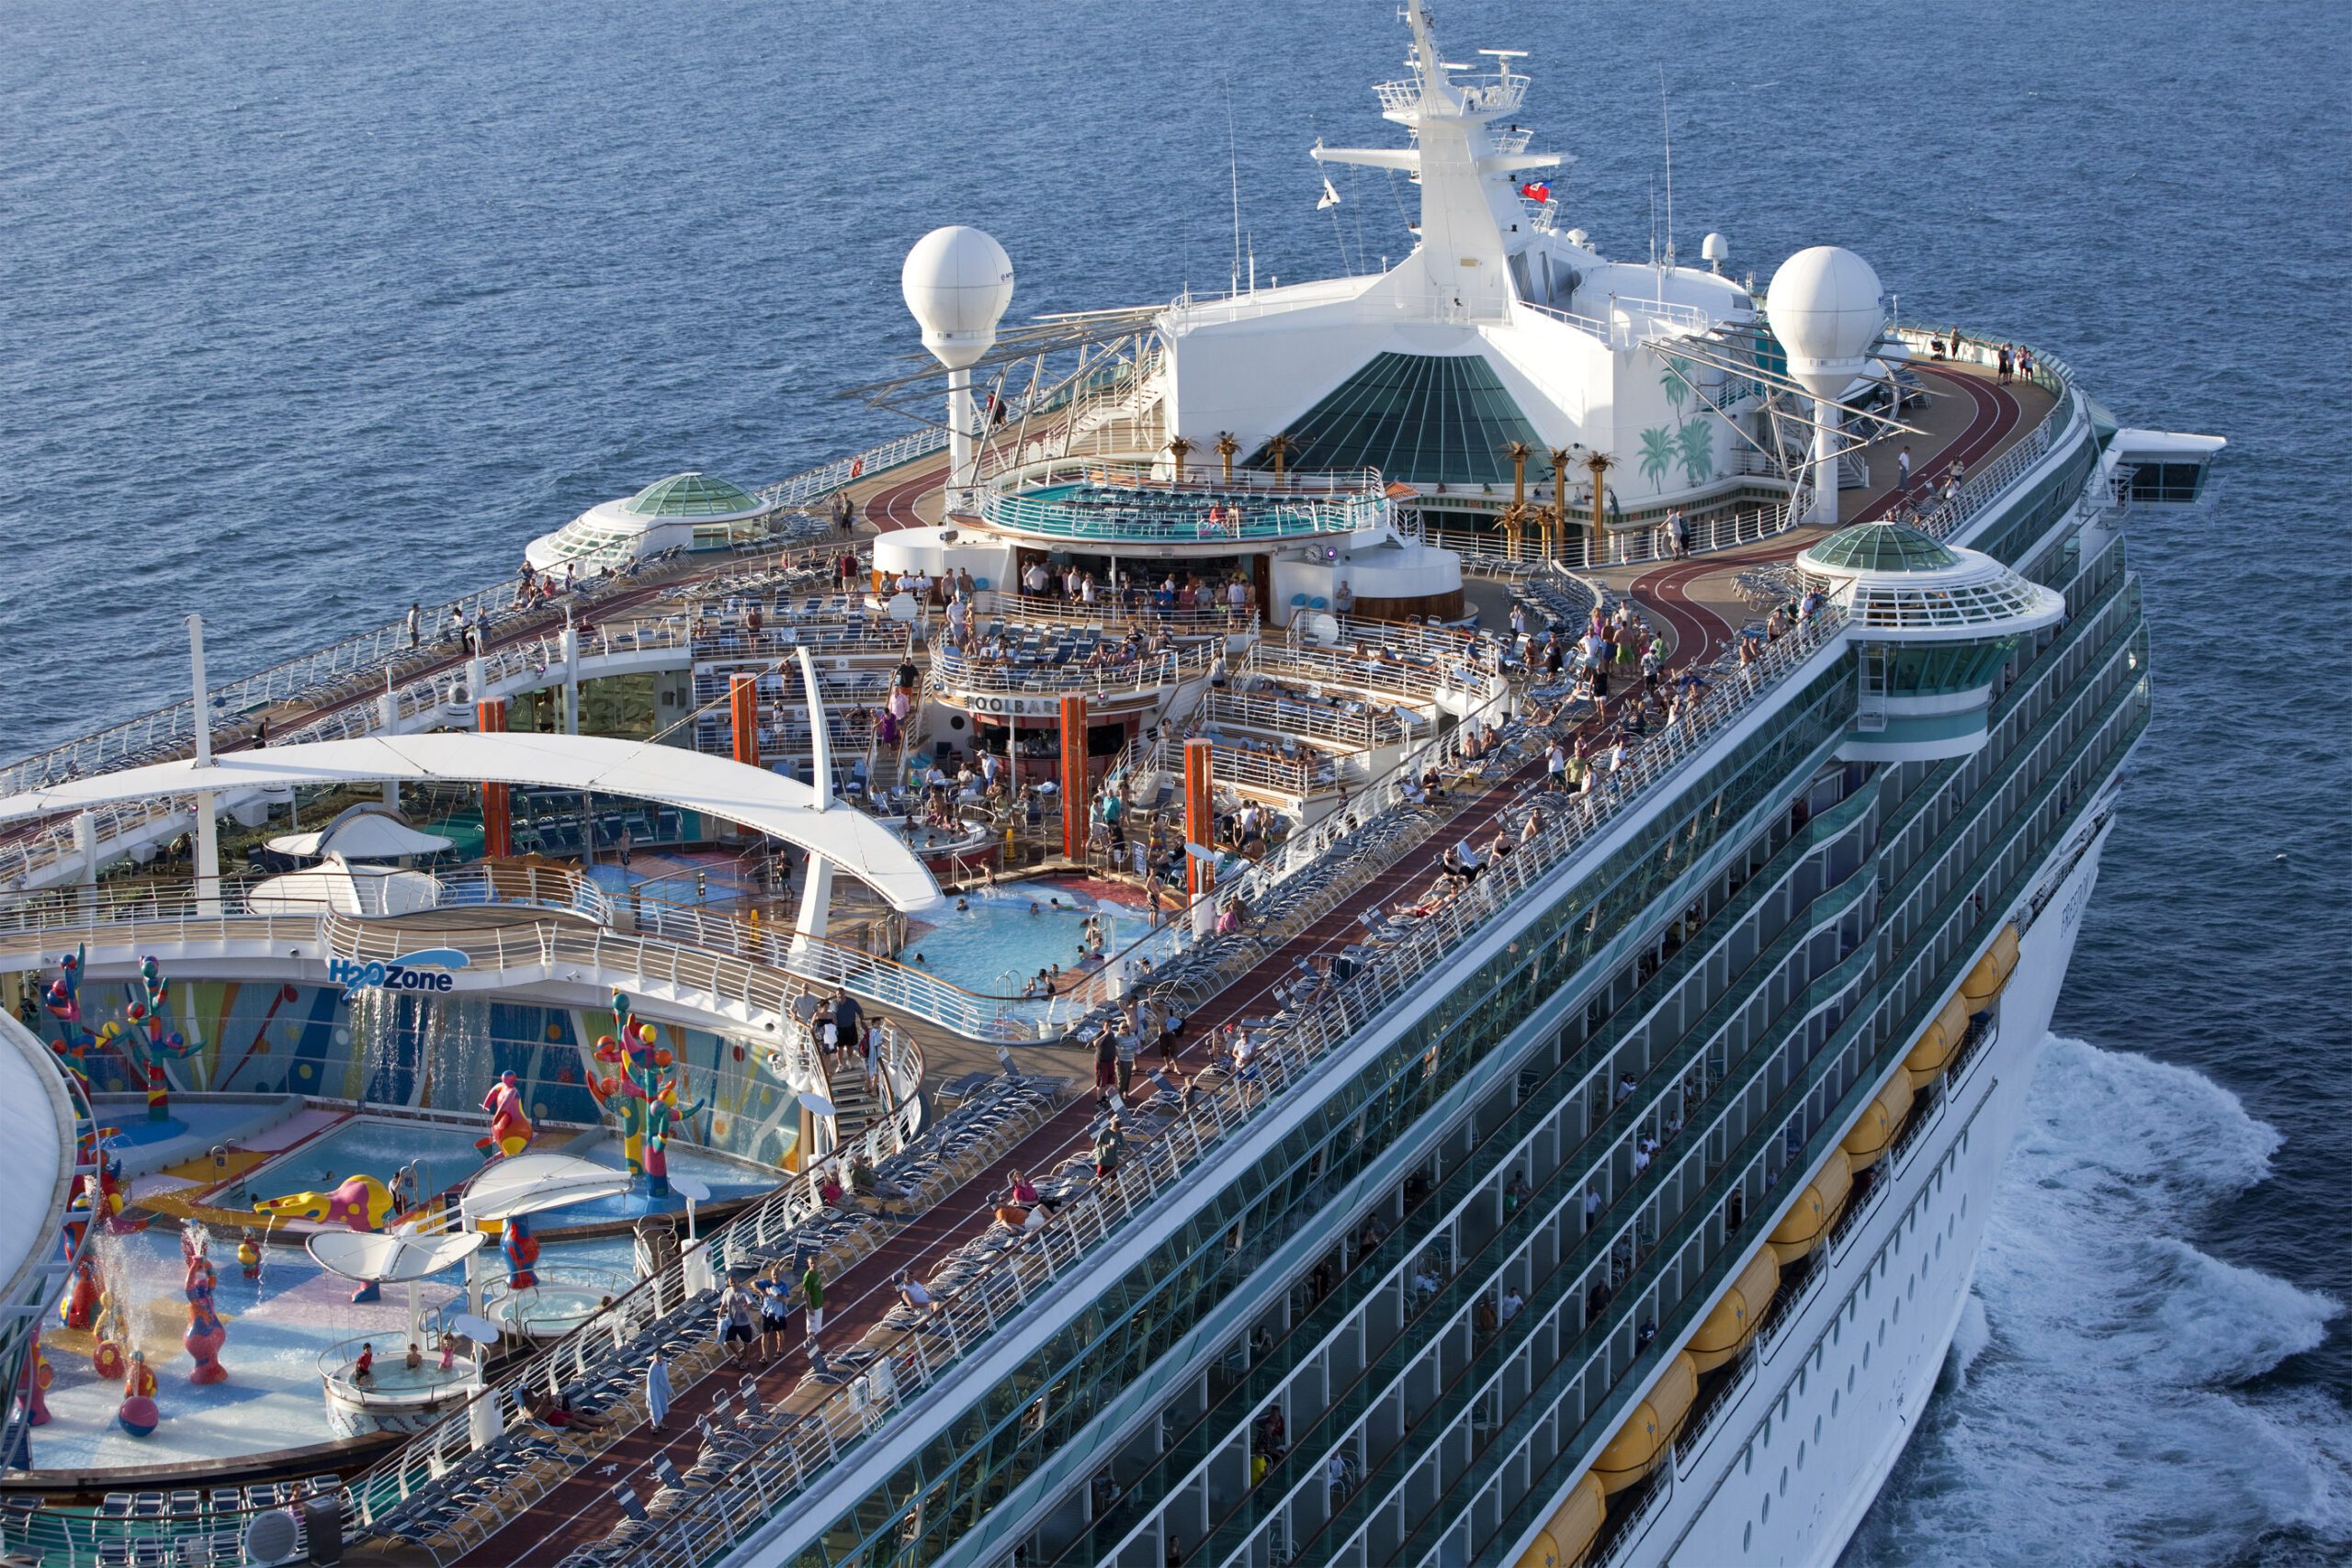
(690, 495)
(1422, 418)
(1881, 546)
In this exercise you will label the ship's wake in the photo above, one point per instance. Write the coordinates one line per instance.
(2096, 1407)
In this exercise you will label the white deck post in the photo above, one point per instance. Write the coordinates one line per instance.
(207, 826)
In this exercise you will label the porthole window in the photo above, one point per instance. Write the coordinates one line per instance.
(1766, 1517)
(1747, 1534)
(1817, 1425)
(1784, 1481)
(1849, 1379)
(1800, 1456)
(1866, 1349)
(1881, 1325)
(1835, 1396)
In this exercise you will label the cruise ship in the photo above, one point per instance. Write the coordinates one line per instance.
(1399, 920)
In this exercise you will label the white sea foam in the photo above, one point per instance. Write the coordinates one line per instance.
(2093, 1411)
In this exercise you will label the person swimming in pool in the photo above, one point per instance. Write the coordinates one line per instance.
(963, 903)
(1035, 908)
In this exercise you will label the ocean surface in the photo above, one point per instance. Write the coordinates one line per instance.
(308, 311)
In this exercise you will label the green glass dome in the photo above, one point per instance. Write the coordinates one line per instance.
(690, 495)
(1879, 547)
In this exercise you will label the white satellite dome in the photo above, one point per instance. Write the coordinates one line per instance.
(1824, 308)
(957, 282)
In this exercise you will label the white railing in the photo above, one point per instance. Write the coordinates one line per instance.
(804, 488)
(1282, 714)
(954, 674)
(1627, 544)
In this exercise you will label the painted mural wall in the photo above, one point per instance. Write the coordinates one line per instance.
(441, 1052)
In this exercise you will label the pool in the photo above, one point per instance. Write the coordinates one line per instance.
(366, 1145)
(277, 1326)
(997, 944)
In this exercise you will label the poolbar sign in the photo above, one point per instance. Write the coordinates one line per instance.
(425, 971)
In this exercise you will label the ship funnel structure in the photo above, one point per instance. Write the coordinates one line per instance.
(1931, 627)
(957, 281)
(1824, 306)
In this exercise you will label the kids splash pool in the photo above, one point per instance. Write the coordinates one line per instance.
(1005, 936)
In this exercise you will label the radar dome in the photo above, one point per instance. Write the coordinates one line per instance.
(1824, 308)
(957, 282)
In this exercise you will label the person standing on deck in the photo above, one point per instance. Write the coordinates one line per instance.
(812, 1286)
(657, 1392)
(415, 623)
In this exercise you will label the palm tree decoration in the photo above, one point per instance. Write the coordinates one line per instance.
(1515, 520)
(1697, 453)
(1675, 388)
(1225, 447)
(1556, 520)
(1596, 549)
(1278, 448)
(1659, 449)
(1178, 450)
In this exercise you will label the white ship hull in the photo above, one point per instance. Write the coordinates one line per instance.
(1776, 1482)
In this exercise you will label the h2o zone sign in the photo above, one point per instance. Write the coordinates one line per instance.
(427, 971)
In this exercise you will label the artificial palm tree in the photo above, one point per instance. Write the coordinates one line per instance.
(1279, 446)
(1178, 450)
(1600, 462)
(1225, 447)
(1555, 523)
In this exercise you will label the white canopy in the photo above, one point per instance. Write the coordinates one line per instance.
(526, 1183)
(390, 1259)
(361, 834)
(720, 786)
(363, 890)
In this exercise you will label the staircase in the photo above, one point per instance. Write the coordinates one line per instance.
(856, 1111)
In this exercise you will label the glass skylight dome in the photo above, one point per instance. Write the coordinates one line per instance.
(689, 510)
(1899, 582)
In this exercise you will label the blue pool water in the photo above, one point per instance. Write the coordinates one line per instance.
(991, 947)
(369, 1147)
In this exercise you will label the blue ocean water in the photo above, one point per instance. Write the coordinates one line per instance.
(310, 310)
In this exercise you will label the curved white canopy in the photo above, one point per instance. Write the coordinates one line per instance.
(390, 1259)
(724, 788)
(369, 891)
(361, 834)
(526, 1183)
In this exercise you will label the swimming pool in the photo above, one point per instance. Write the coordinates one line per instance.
(1007, 934)
(367, 1146)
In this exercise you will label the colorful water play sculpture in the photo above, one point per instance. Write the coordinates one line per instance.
(510, 1130)
(143, 1041)
(107, 1334)
(205, 1333)
(32, 1384)
(522, 1251)
(138, 1415)
(249, 1256)
(661, 1114)
(79, 1309)
(643, 1106)
(362, 1203)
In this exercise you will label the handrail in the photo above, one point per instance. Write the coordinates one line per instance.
(953, 671)
(1295, 517)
